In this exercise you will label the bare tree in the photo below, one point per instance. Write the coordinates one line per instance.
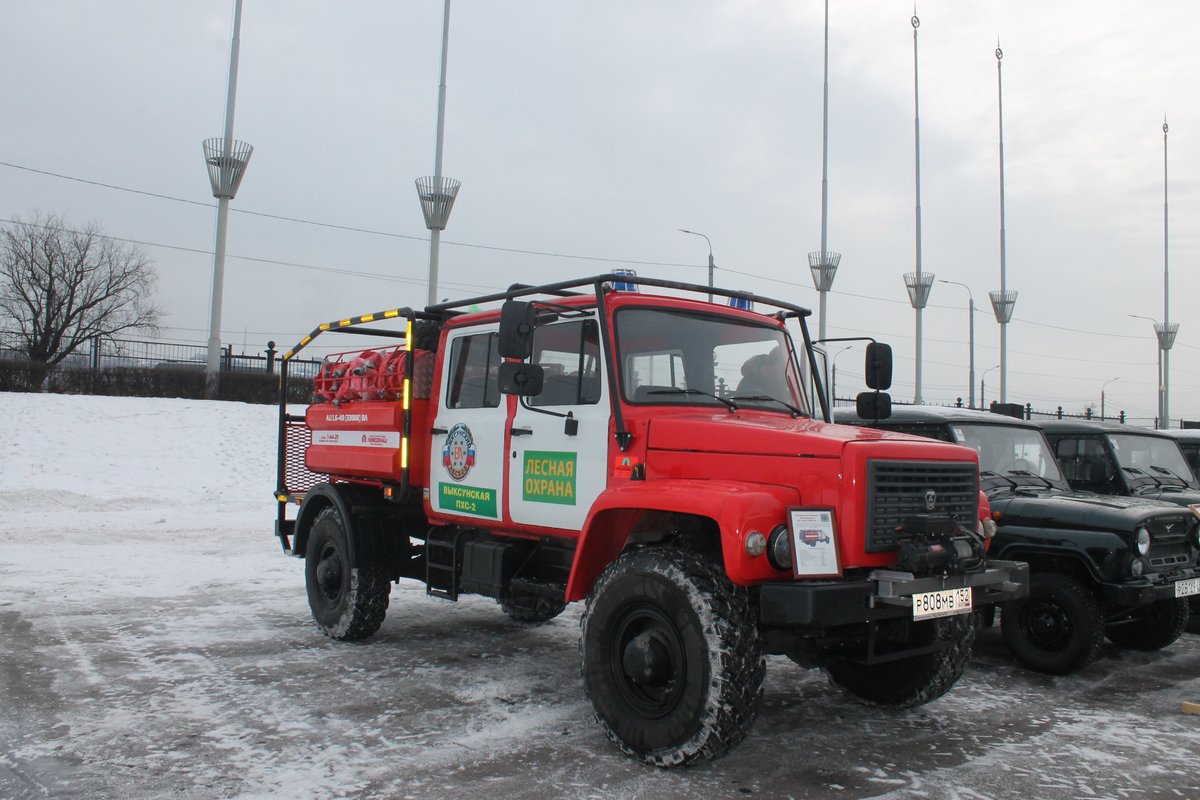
(62, 287)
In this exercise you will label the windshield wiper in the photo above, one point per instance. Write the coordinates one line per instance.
(759, 397)
(987, 473)
(732, 406)
(1169, 472)
(1024, 473)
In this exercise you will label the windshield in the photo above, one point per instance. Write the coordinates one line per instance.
(1158, 457)
(1019, 455)
(705, 359)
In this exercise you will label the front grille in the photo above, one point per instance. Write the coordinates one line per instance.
(897, 490)
(1170, 547)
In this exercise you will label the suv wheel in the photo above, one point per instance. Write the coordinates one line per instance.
(1153, 627)
(1058, 628)
(913, 681)
(347, 602)
(671, 657)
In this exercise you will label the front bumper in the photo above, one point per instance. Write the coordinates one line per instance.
(1146, 590)
(883, 594)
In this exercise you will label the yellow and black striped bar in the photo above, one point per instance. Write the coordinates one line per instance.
(347, 323)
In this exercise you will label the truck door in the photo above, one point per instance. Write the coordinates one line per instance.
(559, 449)
(466, 469)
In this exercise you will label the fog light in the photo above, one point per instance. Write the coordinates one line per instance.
(1137, 567)
(779, 548)
(1143, 541)
(756, 544)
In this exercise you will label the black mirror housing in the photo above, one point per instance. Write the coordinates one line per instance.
(879, 367)
(873, 406)
(524, 380)
(517, 322)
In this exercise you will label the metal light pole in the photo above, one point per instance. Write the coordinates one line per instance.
(833, 377)
(226, 159)
(918, 283)
(1003, 300)
(1166, 337)
(823, 263)
(1165, 334)
(971, 337)
(982, 393)
(437, 193)
(1106, 383)
(712, 265)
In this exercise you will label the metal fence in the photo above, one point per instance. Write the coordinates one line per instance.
(103, 353)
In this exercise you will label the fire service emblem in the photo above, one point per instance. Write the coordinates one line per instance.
(458, 454)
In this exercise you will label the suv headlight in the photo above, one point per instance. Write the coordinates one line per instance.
(779, 548)
(1143, 541)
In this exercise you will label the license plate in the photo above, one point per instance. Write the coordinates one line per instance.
(945, 603)
(1187, 588)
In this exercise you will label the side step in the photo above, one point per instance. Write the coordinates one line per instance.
(442, 553)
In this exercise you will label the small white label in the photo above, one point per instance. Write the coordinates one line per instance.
(387, 439)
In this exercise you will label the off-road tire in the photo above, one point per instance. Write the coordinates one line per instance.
(671, 657)
(1193, 625)
(347, 602)
(530, 609)
(1058, 628)
(913, 681)
(1153, 627)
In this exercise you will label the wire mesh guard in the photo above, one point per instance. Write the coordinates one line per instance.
(225, 170)
(437, 198)
(1002, 304)
(823, 264)
(918, 285)
(297, 477)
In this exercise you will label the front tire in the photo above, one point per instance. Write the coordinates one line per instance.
(1058, 628)
(913, 681)
(671, 657)
(1153, 627)
(347, 602)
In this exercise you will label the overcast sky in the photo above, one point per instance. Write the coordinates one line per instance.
(585, 135)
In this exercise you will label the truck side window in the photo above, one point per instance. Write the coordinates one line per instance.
(474, 367)
(569, 352)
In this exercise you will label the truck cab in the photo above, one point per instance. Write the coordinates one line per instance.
(637, 445)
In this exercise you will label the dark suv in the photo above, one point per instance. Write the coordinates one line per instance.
(1109, 458)
(1100, 566)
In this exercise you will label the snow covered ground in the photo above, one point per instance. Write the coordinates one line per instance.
(155, 642)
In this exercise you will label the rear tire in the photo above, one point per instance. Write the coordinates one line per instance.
(347, 602)
(1153, 627)
(916, 680)
(1058, 628)
(671, 657)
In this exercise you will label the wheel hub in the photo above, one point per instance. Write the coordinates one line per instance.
(647, 660)
(329, 575)
(1048, 625)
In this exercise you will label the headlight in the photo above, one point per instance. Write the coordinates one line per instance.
(779, 548)
(756, 544)
(986, 528)
(1143, 541)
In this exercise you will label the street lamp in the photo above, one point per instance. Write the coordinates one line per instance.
(1106, 383)
(982, 393)
(437, 192)
(1165, 332)
(823, 263)
(1004, 299)
(226, 159)
(712, 265)
(918, 283)
(971, 338)
(833, 378)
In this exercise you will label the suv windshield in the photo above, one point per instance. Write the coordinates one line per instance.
(671, 357)
(1016, 456)
(1157, 457)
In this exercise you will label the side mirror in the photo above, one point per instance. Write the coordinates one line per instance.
(879, 366)
(517, 322)
(524, 380)
(873, 405)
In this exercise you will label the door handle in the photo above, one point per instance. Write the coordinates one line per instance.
(438, 431)
(521, 431)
